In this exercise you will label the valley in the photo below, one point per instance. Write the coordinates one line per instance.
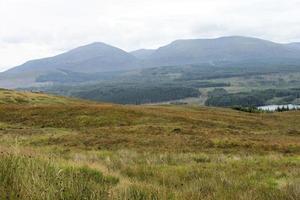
(192, 85)
(184, 71)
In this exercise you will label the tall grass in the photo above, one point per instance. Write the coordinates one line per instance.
(134, 175)
(209, 176)
(25, 177)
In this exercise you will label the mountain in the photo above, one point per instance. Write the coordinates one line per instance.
(294, 45)
(225, 49)
(142, 53)
(99, 61)
(93, 58)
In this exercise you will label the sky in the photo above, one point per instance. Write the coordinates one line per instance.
(31, 29)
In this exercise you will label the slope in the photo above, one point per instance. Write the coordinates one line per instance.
(190, 128)
(89, 59)
(86, 150)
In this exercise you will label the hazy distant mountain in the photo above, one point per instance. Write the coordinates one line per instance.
(95, 60)
(90, 59)
(142, 53)
(95, 57)
(294, 45)
(225, 49)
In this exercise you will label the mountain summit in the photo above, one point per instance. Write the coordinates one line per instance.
(225, 49)
(89, 59)
(95, 57)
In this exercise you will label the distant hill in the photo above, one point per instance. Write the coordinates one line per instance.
(95, 57)
(226, 49)
(89, 59)
(101, 61)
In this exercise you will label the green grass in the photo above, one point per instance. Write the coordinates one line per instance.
(26, 177)
(63, 148)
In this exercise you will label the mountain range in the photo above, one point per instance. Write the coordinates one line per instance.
(99, 58)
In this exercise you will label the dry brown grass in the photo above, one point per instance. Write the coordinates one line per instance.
(151, 128)
(159, 152)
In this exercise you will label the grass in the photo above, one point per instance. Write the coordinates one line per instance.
(23, 98)
(60, 148)
(26, 177)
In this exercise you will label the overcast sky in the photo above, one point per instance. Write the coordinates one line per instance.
(37, 28)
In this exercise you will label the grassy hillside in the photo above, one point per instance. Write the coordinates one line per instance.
(26, 98)
(59, 148)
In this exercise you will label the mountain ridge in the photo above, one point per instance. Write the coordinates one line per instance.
(99, 57)
(232, 48)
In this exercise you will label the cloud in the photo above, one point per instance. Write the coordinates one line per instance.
(32, 29)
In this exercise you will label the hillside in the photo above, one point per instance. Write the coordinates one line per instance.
(86, 60)
(192, 84)
(10, 97)
(95, 57)
(84, 150)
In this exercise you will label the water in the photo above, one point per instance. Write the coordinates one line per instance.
(275, 107)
